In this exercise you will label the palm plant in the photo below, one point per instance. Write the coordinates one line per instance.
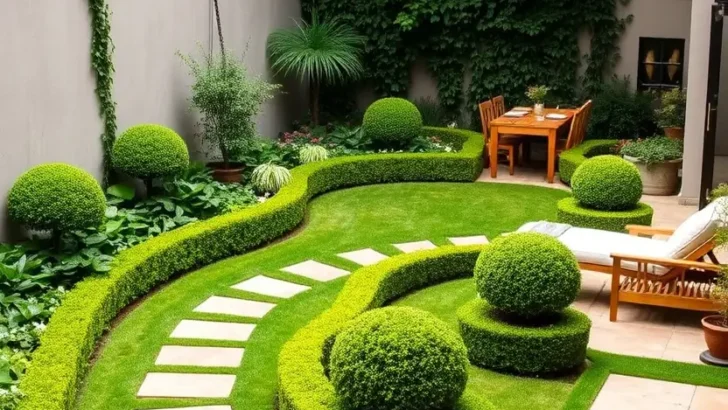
(318, 52)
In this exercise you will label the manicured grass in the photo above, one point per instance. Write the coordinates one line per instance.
(504, 390)
(374, 216)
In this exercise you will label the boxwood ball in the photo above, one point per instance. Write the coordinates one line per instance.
(57, 196)
(398, 358)
(527, 275)
(392, 122)
(608, 183)
(150, 151)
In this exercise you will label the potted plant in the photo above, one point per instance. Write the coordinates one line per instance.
(658, 160)
(715, 327)
(671, 114)
(537, 95)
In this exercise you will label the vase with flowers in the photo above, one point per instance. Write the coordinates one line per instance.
(537, 94)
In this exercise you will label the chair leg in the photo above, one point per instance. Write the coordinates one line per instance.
(511, 160)
(486, 158)
(614, 296)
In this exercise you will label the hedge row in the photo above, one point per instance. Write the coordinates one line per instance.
(569, 160)
(302, 364)
(495, 344)
(569, 211)
(62, 359)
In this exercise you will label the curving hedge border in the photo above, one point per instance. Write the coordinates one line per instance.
(303, 361)
(62, 359)
(569, 211)
(570, 159)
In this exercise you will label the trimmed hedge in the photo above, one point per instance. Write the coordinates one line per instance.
(608, 183)
(398, 358)
(569, 211)
(495, 344)
(303, 361)
(149, 151)
(69, 340)
(528, 275)
(392, 122)
(569, 160)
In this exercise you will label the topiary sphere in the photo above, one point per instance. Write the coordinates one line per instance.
(527, 275)
(392, 122)
(150, 151)
(57, 196)
(608, 183)
(398, 359)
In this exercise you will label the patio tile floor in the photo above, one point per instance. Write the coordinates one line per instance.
(628, 393)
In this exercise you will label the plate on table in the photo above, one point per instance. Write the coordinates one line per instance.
(557, 116)
(517, 114)
(526, 109)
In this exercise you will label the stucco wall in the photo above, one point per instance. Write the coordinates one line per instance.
(48, 110)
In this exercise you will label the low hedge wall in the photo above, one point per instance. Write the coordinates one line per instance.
(70, 338)
(570, 159)
(569, 211)
(500, 346)
(302, 364)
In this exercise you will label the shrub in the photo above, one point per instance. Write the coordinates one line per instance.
(654, 150)
(498, 345)
(58, 197)
(312, 153)
(527, 275)
(570, 160)
(392, 122)
(270, 178)
(608, 183)
(671, 113)
(569, 211)
(149, 151)
(398, 358)
(621, 113)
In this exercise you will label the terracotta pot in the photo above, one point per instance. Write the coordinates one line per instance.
(675, 133)
(716, 336)
(232, 174)
(658, 179)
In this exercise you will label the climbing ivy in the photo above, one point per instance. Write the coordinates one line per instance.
(102, 49)
(503, 45)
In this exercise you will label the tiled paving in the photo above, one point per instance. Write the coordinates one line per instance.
(633, 393)
(187, 385)
(364, 257)
(236, 307)
(469, 240)
(410, 247)
(200, 356)
(201, 329)
(264, 285)
(316, 271)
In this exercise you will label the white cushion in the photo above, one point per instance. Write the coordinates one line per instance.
(695, 231)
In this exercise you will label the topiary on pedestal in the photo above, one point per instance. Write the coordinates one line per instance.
(392, 122)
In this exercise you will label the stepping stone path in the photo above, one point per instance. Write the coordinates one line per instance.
(201, 329)
(200, 356)
(469, 240)
(235, 307)
(634, 393)
(271, 287)
(187, 385)
(316, 271)
(364, 257)
(410, 247)
(201, 408)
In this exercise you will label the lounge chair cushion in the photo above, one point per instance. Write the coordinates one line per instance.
(695, 231)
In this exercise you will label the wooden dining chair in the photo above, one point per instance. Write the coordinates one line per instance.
(509, 143)
(579, 126)
(499, 104)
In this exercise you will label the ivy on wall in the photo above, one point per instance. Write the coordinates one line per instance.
(505, 45)
(102, 49)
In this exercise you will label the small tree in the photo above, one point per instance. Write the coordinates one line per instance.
(720, 292)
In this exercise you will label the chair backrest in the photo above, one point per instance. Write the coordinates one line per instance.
(579, 125)
(487, 114)
(499, 106)
(696, 230)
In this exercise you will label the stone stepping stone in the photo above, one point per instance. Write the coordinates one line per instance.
(187, 385)
(264, 285)
(316, 271)
(201, 329)
(410, 247)
(364, 257)
(633, 393)
(236, 307)
(469, 240)
(199, 408)
(200, 356)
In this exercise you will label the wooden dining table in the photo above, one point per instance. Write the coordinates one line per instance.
(529, 126)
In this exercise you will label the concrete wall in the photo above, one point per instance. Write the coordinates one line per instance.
(48, 109)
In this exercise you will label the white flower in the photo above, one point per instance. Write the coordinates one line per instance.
(40, 327)
(452, 125)
(448, 149)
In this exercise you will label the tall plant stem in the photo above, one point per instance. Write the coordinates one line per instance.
(315, 90)
(219, 28)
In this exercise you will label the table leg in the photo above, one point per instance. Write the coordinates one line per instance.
(551, 157)
(493, 152)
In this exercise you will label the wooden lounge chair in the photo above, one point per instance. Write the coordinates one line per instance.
(511, 144)
(671, 273)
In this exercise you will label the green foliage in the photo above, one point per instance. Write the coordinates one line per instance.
(621, 113)
(102, 62)
(392, 122)
(270, 178)
(433, 113)
(319, 52)
(570, 211)
(607, 183)
(654, 150)
(671, 113)
(150, 151)
(528, 275)
(229, 99)
(537, 94)
(312, 153)
(570, 160)
(56, 196)
(398, 358)
(506, 347)
(72, 333)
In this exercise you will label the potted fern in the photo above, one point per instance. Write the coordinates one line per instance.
(658, 160)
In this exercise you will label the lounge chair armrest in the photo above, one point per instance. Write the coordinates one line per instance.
(667, 262)
(648, 230)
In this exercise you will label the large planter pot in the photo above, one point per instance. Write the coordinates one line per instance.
(660, 178)
(716, 336)
(232, 174)
(675, 133)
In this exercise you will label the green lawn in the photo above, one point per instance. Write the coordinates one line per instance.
(373, 216)
(506, 391)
